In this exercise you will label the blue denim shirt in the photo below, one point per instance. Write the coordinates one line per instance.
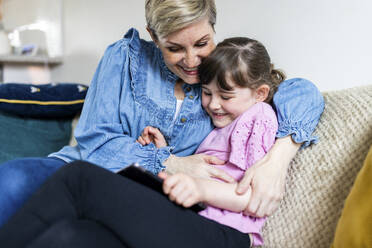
(132, 88)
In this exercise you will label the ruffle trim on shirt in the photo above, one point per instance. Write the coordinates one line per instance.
(136, 49)
(300, 133)
(162, 155)
(133, 39)
(154, 163)
(134, 44)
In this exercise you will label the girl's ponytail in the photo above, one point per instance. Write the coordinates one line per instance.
(277, 76)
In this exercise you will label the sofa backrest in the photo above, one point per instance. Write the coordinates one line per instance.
(320, 177)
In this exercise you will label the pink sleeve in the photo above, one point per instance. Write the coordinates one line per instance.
(252, 139)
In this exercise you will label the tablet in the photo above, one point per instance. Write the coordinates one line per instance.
(139, 174)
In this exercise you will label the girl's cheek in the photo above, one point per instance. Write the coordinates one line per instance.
(205, 100)
(230, 106)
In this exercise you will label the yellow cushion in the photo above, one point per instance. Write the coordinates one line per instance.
(354, 228)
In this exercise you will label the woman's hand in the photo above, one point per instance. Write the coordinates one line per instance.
(152, 135)
(198, 165)
(267, 177)
(182, 189)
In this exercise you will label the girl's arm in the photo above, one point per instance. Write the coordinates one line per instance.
(299, 105)
(186, 191)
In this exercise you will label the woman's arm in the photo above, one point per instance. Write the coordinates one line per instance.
(198, 165)
(186, 191)
(299, 105)
(103, 136)
(267, 177)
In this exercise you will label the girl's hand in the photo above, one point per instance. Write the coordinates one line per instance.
(198, 165)
(267, 177)
(182, 189)
(152, 135)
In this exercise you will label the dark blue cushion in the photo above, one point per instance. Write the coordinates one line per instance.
(54, 100)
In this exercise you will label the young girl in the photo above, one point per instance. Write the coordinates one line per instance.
(238, 81)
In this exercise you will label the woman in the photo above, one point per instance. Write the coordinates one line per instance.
(122, 101)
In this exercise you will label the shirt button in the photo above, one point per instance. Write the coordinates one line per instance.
(188, 89)
(183, 120)
(191, 96)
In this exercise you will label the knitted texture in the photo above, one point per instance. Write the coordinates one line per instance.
(320, 177)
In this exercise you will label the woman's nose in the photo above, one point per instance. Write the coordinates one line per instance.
(191, 59)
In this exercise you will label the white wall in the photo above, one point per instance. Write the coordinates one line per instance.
(89, 27)
(326, 41)
(37, 74)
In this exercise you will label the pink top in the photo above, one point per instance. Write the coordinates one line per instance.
(242, 143)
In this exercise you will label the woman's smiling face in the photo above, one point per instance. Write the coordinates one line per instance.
(184, 50)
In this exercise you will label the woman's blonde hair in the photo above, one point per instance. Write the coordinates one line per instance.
(164, 17)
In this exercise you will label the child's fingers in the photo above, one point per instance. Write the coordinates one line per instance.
(156, 137)
(169, 183)
(177, 191)
(145, 135)
(141, 141)
(163, 175)
(189, 201)
(183, 196)
(155, 132)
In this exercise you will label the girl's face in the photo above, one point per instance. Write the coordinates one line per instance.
(184, 50)
(225, 106)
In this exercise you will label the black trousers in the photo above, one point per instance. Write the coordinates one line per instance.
(83, 205)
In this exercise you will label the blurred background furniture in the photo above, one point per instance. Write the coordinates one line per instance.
(36, 120)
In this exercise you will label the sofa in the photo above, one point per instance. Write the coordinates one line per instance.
(320, 176)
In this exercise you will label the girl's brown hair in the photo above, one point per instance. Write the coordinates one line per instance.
(244, 61)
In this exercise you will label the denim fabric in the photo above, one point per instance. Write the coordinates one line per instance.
(299, 105)
(19, 179)
(131, 89)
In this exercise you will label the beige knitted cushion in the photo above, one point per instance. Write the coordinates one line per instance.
(320, 177)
